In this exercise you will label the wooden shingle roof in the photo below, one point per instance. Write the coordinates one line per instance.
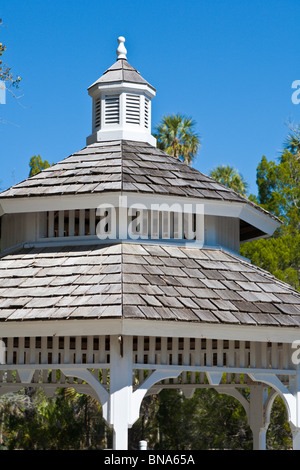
(144, 281)
(121, 71)
(124, 166)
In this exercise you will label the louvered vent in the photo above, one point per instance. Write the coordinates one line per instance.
(146, 113)
(132, 109)
(112, 109)
(98, 112)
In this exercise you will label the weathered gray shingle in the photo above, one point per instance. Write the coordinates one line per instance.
(111, 281)
(123, 166)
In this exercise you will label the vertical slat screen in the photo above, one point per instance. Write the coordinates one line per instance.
(97, 111)
(112, 109)
(147, 106)
(132, 109)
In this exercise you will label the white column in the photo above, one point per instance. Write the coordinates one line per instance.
(295, 425)
(257, 422)
(120, 389)
(123, 218)
(296, 438)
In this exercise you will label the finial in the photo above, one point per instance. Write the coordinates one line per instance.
(121, 51)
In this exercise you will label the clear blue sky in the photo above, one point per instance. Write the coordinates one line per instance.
(229, 64)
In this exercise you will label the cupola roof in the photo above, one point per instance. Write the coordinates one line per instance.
(121, 71)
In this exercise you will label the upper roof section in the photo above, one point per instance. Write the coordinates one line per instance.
(139, 170)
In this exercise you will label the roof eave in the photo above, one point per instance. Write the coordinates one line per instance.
(137, 327)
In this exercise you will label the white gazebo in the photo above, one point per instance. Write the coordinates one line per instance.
(120, 268)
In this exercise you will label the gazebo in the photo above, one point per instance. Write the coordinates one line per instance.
(121, 275)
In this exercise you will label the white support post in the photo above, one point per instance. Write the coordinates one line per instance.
(295, 390)
(257, 421)
(120, 389)
(296, 438)
(291, 398)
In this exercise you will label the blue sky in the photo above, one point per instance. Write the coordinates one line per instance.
(228, 64)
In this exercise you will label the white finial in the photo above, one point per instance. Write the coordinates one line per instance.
(121, 51)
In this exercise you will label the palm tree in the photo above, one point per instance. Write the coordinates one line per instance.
(176, 136)
(292, 142)
(230, 178)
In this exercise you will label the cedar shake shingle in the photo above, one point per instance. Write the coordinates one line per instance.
(111, 281)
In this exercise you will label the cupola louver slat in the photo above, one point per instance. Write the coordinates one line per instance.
(132, 109)
(98, 113)
(146, 113)
(112, 109)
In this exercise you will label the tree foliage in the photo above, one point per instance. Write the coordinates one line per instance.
(37, 164)
(230, 177)
(177, 137)
(6, 74)
(278, 185)
(31, 421)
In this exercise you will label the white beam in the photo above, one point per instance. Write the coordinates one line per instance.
(159, 328)
(245, 211)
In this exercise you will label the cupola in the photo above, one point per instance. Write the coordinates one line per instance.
(121, 103)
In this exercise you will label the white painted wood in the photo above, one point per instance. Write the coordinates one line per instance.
(26, 375)
(289, 399)
(121, 51)
(61, 228)
(214, 378)
(92, 222)
(257, 421)
(122, 128)
(141, 391)
(50, 224)
(88, 377)
(120, 390)
(153, 328)
(81, 222)
(234, 210)
(19, 228)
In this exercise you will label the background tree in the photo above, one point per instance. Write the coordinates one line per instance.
(279, 193)
(292, 142)
(6, 74)
(230, 177)
(37, 164)
(177, 137)
(30, 420)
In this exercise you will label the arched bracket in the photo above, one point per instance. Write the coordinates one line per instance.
(268, 405)
(289, 399)
(89, 378)
(233, 392)
(140, 392)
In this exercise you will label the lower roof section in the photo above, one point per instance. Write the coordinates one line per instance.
(157, 282)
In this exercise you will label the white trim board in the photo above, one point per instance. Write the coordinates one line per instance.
(244, 211)
(138, 327)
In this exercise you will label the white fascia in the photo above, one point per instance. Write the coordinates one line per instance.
(244, 211)
(158, 328)
(248, 213)
(122, 87)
